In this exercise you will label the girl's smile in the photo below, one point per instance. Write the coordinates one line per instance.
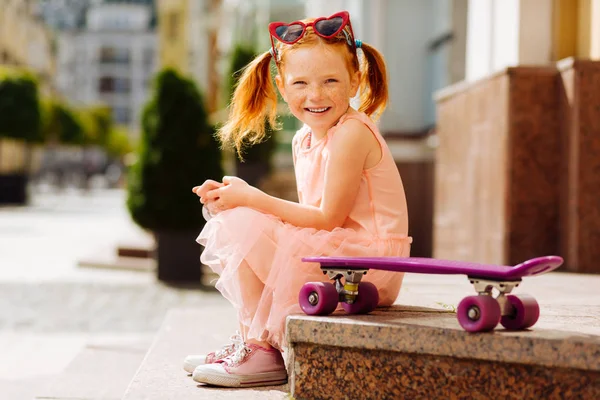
(318, 110)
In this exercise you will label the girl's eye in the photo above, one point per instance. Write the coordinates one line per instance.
(331, 80)
(299, 83)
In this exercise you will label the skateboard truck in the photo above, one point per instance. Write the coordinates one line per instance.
(485, 287)
(348, 290)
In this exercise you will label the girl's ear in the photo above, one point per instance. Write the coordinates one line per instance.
(280, 86)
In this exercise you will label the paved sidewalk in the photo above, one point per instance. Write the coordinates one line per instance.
(44, 240)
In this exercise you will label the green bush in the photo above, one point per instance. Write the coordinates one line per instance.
(72, 129)
(62, 124)
(117, 143)
(20, 112)
(178, 151)
(97, 125)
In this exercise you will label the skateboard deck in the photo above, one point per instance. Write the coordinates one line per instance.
(535, 266)
(493, 303)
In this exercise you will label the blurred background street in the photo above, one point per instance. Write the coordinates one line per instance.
(51, 309)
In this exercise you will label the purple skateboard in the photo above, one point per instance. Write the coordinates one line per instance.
(475, 313)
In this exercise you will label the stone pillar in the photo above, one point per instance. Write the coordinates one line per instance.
(497, 168)
(579, 90)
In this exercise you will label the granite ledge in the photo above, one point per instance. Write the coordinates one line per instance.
(421, 330)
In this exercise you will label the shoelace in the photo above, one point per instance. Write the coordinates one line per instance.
(238, 356)
(236, 341)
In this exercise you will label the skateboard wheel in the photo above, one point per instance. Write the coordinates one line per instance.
(526, 312)
(366, 300)
(478, 313)
(318, 298)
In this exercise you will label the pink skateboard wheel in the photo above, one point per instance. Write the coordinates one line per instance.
(366, 301)
(318, 298)
(526, 312)
(478, 313)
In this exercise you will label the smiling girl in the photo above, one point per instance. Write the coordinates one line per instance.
(351, 197)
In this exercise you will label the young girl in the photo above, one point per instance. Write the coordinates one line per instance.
(351, 196)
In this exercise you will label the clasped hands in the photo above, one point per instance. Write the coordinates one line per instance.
(220, 196)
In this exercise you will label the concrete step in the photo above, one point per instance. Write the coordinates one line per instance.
(190, 331)
(107, 257)
(417, 349)
(69, 365)
(30, 362)
(23, 388)
(102, 370)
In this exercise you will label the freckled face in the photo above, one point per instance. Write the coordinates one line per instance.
(317, 85)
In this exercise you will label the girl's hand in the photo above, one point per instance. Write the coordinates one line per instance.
(206, 187)
(235, 192)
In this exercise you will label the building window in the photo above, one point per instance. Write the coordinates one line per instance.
(112, 55)
(111, 84)
(121, 115)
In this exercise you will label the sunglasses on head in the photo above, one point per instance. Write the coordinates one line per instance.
(326, 27)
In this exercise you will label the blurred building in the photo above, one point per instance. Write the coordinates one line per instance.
(25, 40)
(529, 32)
(186, 41)
(107, 54)
(65, 14)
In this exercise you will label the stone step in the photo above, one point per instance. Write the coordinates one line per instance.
(188, 331)
(417, 349)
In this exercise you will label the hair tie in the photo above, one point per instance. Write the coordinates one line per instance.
(272, 53)
(358, 43)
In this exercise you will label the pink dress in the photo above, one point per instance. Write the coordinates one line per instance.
(258, 257)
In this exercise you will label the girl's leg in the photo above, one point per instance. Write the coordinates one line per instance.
(252, 289)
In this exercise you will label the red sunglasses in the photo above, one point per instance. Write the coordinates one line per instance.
(326, 27)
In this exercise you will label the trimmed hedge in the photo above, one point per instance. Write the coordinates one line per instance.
(20, 112)
(178, 151)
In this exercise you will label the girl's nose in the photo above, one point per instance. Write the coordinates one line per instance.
(316, 92)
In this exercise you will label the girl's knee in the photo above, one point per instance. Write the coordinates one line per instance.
(241, 213)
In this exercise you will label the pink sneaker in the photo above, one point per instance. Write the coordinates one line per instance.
(192, 361)
(249, 365)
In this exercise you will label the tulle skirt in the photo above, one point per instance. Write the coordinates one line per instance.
(259, 262)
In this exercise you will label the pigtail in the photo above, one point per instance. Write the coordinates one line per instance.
(374, 83)
(253, 106)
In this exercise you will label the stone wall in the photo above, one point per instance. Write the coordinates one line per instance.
(497, 164)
